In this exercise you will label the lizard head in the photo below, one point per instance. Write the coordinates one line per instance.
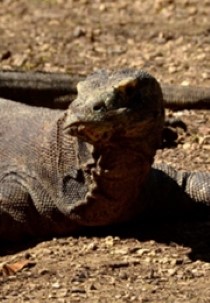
(118, 118)
(126, 104)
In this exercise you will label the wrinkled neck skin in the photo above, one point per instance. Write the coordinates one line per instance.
(119, 169)
(114, 175)
(100, 184)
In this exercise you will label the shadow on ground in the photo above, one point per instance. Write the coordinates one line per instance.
(193, 232)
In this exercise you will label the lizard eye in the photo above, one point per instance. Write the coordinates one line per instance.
(99, 106)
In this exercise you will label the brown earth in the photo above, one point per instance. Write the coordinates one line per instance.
(154, 261)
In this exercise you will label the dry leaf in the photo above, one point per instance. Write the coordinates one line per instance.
(10, 269)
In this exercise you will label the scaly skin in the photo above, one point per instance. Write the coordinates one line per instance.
(83, 167)
(90, 165)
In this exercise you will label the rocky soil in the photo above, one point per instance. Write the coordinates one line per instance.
(144, 262)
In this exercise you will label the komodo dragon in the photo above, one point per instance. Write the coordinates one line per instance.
(57, 90)
(91, 164)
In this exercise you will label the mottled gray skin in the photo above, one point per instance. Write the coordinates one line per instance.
(89, 165)
(83, 167)
(179, 193)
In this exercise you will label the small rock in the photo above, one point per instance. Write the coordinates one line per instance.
(56, 285)
(185, 83)
(186, 145)
(121, 251)
(91, 247)
(109, 241)
(103, 7)
(172, 69)
(79, 32)
(142, 251)
(172, 272)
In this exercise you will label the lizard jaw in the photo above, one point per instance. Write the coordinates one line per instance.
(124, 126)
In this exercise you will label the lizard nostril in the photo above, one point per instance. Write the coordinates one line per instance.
(99, 106)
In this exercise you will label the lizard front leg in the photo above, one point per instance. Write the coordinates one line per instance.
(177, 192)
(14, 211)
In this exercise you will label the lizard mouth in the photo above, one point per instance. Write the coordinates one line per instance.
(120, 124)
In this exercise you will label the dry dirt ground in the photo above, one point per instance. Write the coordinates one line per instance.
(151, 261)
